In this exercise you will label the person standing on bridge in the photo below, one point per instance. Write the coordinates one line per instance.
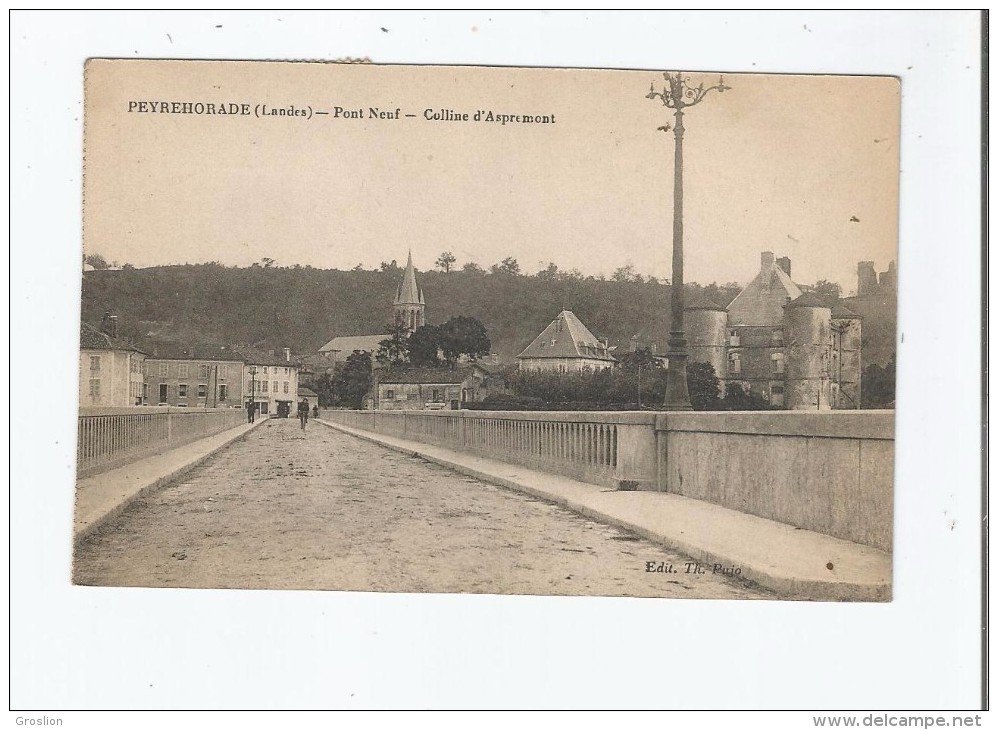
(303, 413)
(250, 411)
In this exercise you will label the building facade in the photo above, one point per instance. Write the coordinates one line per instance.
(271, 382)
(418, 389)
(194, 376)
(565, 346)
(792, 349)
(110, 370)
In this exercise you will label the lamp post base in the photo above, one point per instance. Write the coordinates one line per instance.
(677, 394)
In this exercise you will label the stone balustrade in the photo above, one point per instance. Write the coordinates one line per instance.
(830, 472)
(111, 437)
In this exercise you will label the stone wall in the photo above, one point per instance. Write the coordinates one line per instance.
(830, 472)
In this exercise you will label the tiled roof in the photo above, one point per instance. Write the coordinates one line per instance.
(252, 356)
(364, 343)
(428, 376)
(92, 338)
(308, 392)
(810, 299)
(696, 299)
(762, 300)
(841, 311)
(566, 337)
(195, 351)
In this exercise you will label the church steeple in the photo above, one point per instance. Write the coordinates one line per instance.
(410, 306)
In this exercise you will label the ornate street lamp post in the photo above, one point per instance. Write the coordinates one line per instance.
(252, 405)
(678, 93)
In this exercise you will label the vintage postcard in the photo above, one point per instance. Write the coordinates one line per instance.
(496, 330)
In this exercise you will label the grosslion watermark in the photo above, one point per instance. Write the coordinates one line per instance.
(44, 720)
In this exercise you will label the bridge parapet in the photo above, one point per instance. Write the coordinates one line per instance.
(110, 437)
(610, 448)
(830, 472)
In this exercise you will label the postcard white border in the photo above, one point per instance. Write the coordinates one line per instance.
(77, 648)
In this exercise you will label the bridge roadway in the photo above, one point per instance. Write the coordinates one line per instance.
(325, 510)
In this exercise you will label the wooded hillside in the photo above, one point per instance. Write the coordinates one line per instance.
(303, 308)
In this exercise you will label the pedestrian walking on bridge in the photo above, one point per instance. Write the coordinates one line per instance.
(303, 413)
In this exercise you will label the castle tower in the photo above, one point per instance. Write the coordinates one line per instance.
(847, 366)
(410, 307)
(707, 331)
(866, 278)
(807, 324)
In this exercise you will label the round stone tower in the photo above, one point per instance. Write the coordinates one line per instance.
(706, 328)
(807, 336)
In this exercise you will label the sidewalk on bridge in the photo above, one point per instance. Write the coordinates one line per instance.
(104, 496)
(791, 561)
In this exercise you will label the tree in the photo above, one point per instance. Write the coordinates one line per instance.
(424, 346)
(390, 268)
(703, 385)
(446, 261)
(738, 399)
(549, 272)
(825, 289)
(463, 336)
(472, 268)
(641, 358)
(508, 266)
(97, 261)
(627, 273)
(395, 349)
(878, 385)
(353, 380)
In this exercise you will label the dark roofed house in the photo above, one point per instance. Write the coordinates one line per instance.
(566, 345)
(417, 389)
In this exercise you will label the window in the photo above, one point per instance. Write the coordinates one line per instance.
(733, 339)
(182, 390)
(203, 372)
(264, 369)
(436, 395)
(95, 388)
(94, 362)
(777, 338)
(389, 395)
(735, 362)
(777, 360)
(285, 386)
(182, 370)
(265, 384)
(287, 371)
(223, 372)
(162, 392)
(133, 365)
(164, 369)
(223, 391)
(275, 386)
(202, 390)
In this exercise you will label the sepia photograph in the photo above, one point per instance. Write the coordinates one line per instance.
(483, 329)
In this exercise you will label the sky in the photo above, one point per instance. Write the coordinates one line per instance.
(804, 166)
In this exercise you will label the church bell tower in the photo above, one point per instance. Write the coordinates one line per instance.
(410, 307)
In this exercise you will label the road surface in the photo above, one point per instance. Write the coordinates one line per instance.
(324, 510)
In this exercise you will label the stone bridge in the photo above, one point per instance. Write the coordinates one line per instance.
(798, 503)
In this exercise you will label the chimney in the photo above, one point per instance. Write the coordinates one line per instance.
(109, 324)
(287, 354)
(784, 263)
(767, 260)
